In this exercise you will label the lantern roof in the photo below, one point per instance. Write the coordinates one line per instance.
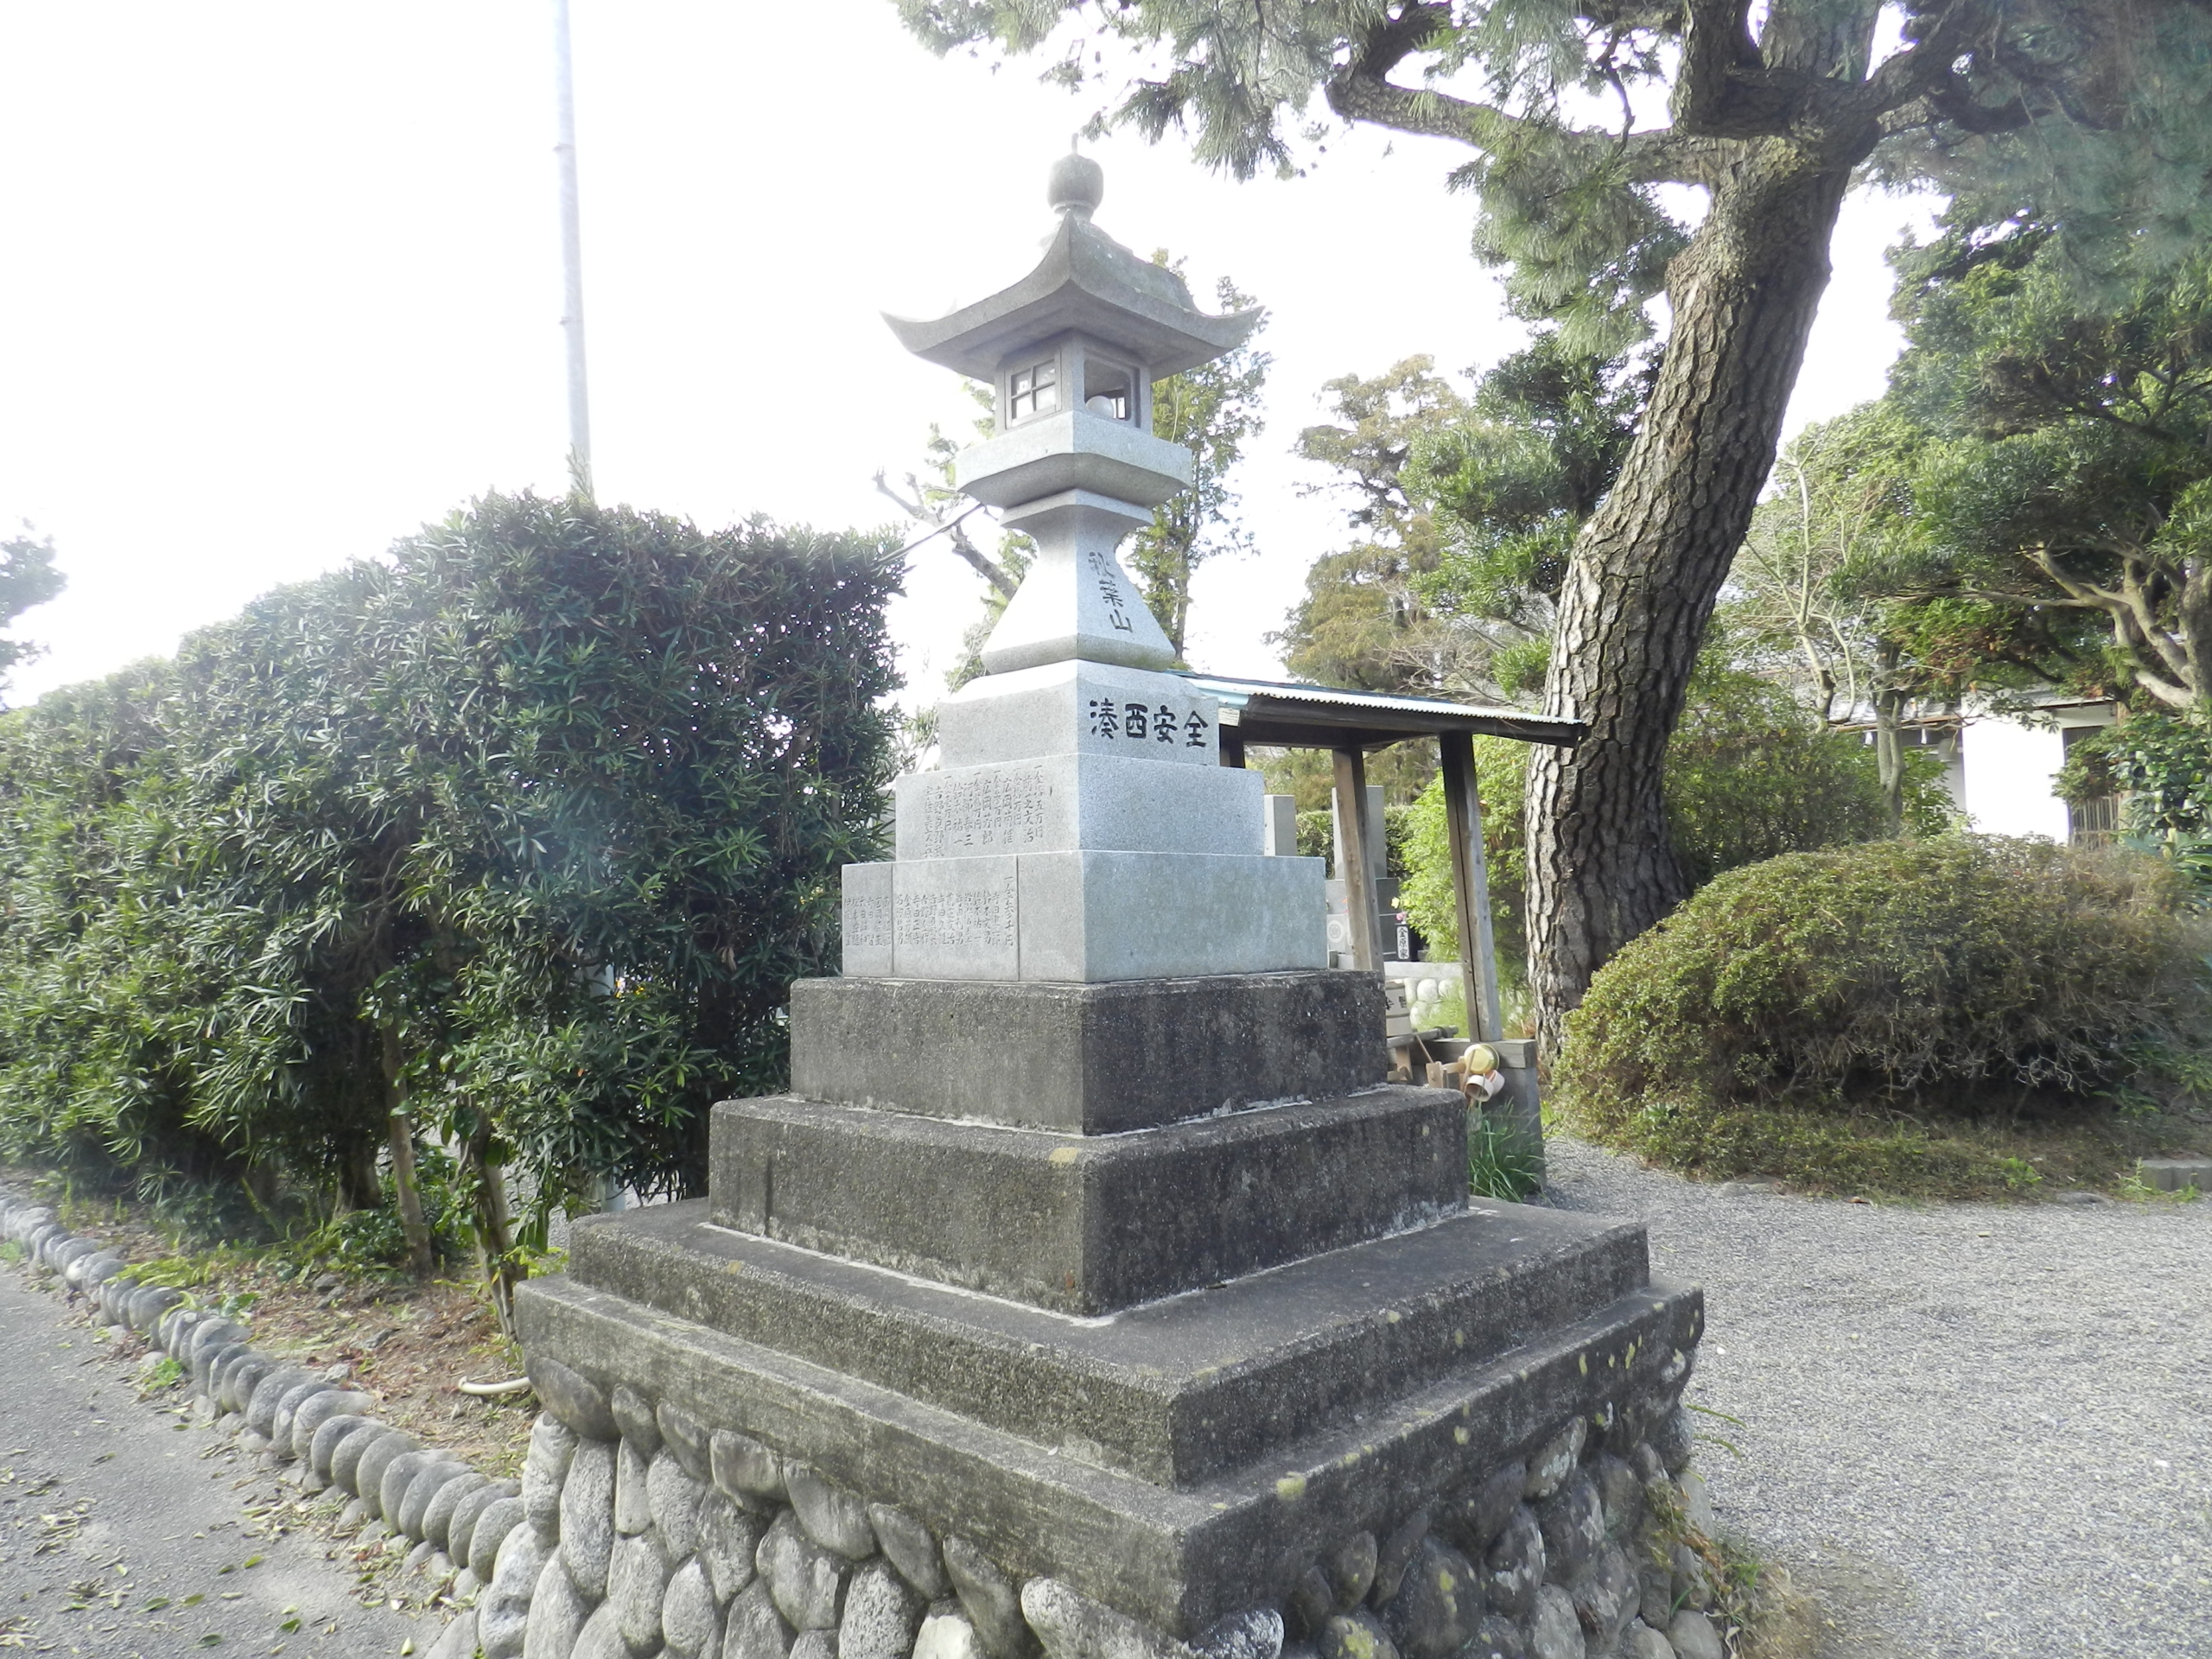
(1087, 283)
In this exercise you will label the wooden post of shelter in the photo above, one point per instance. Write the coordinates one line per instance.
(1352, 859)
(1463, 814)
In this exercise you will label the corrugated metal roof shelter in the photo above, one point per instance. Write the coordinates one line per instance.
(1350, 723)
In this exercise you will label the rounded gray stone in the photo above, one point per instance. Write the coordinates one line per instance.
(1552, 1462)
(1674, 1437)
(747, 1470)
(149, 1304)
(1256, 1633)
(602, 1636)
(330, 1435)
(832, 1516)
(60, 1253)
(752, 1628)
(281, 1435)
(991, 1600)
(948, 1635)
(690, 1621)
(1514, 1565)
(552, 1445)
(1438, 1606)
(557, 1614)
(685, 1437)
(374, 1458)
(587, 1516)
(882, 1614)
(806, 1580)
(1500, 1638)
(1606, 1598)
(269, 1394)
(461, 1531)
(1573, 1523)
(233, 1371)
(1692, 1637)
(1350, 1569)
(1356, 1634)
(1554, 1630)
(633, 1508)
(503, 1612)
(489, 1534)
(728, 1538)
(674, 1498)
(815, 1645)
(317, 1409)
(908, 1545)
(1473, 1517)
(637, 1581)
(572, 1397)
(412, 1516)
(437, 1517)
(633, 1416)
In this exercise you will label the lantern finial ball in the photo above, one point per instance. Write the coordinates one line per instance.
(1076, 185)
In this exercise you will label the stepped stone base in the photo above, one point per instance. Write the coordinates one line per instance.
(1094, 1058)
(1175, 1392)
(814, 1365)
(1088, 1223)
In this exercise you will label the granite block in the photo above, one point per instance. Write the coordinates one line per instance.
(1069, 803)
(1088, 1223)
(1077, 707)
(1094, 1058)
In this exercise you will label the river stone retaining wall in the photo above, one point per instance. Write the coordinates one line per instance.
(460, 1520)
(647, 1532)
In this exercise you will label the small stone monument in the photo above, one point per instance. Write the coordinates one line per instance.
(1089, 1288)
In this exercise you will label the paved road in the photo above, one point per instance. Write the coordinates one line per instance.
(1977, 1429)
(126, 1535)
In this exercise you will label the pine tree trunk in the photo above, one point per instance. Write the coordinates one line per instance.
(1651, 562)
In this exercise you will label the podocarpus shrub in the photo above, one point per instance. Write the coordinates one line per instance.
(1959, 976)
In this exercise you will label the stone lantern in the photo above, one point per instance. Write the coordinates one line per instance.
(1071, 351)
(1080, 827)
(1087, 1295)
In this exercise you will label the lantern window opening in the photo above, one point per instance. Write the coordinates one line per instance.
(1034, 391)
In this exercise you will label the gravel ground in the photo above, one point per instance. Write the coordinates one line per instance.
(1969, 1428)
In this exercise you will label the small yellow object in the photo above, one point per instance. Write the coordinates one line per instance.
(1064, 1155)
(1480, 1059)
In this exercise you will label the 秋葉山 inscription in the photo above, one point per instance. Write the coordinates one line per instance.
(1143, 723)
(1110, 590)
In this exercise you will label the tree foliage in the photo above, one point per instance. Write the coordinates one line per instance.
(2068, 492)
(515, 838)
(28, 578)
(1213, 411)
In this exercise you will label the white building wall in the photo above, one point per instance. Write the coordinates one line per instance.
(2008, 766)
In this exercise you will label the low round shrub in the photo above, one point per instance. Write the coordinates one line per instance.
(1953, 978)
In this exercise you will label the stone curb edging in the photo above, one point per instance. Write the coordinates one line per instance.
(457, 1516)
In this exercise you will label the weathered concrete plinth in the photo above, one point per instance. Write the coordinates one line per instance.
(1169, 1373)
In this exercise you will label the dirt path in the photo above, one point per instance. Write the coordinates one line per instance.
(128, 1532)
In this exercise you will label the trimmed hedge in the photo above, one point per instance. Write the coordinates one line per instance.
(1957, 977)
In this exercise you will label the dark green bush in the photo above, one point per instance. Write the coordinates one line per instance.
(1954, 977)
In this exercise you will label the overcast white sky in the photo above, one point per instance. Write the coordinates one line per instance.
(282, 284)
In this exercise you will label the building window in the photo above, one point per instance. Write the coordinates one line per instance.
(2096, 820)
(1034, 391)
